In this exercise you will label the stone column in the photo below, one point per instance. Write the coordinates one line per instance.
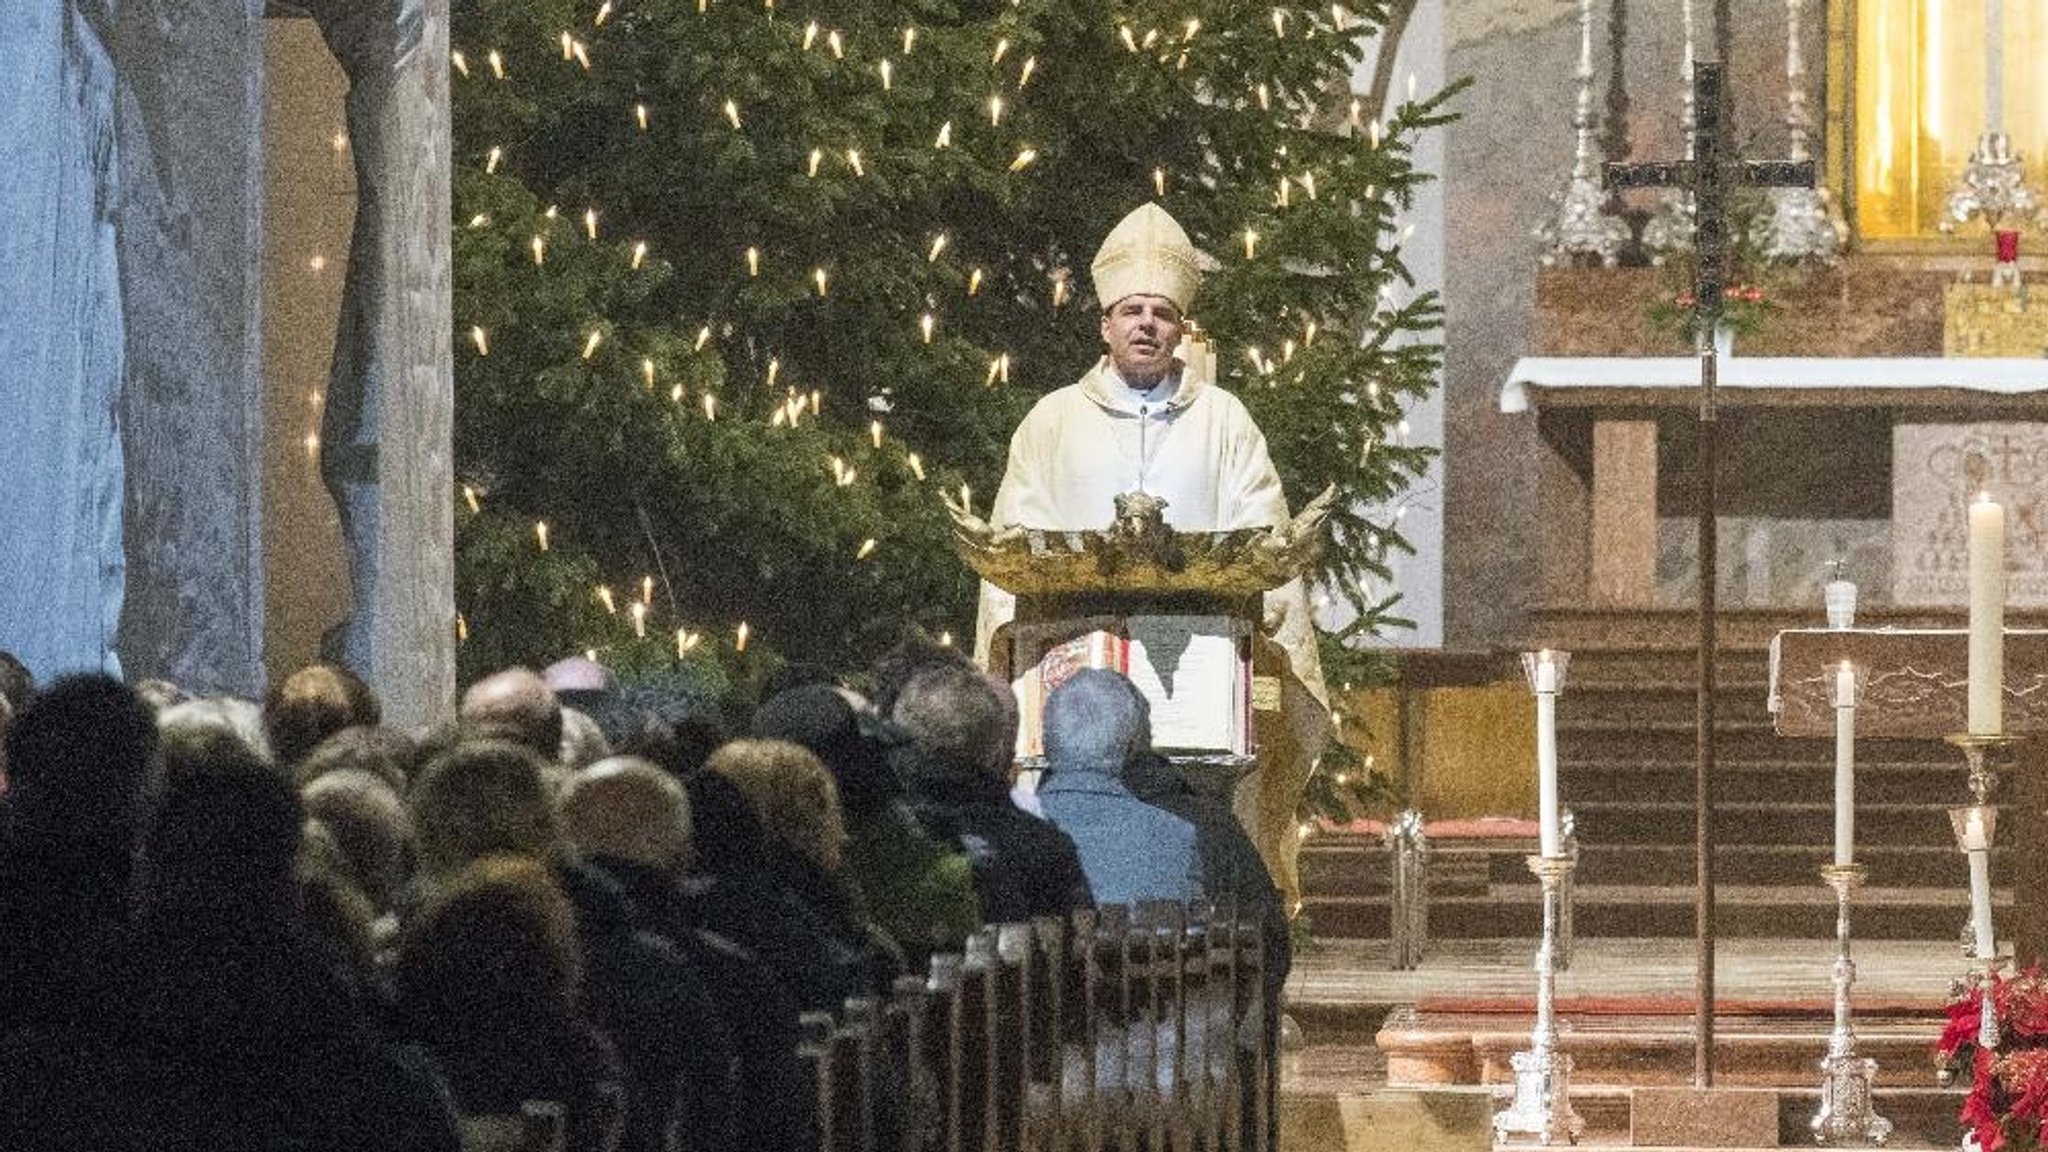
(60, 339)
(387, 438)
(190, 209)
(1624, 523)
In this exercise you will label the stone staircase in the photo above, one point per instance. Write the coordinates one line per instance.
(1626, 755)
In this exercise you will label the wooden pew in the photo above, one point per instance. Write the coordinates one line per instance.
(1122, 1030)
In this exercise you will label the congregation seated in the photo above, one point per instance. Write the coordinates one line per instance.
(343, 935)
(960, 727)
(798, 803)
(492, 797)
(631, 821)
(244, 1021)
(732, 890)
(515, 705)
(918, 892)
(312, 704)
(488, 980)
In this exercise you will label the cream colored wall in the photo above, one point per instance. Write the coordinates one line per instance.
(309, 207)
(1465, 752)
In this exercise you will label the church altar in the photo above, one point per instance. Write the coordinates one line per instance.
(1822, 454)
(1538, 382)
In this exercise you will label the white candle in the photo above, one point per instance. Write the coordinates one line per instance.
(1845, 765)
(1987, 616)
(1550, 827)
(1977, 843)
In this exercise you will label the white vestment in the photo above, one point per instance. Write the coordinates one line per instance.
(1187, 442)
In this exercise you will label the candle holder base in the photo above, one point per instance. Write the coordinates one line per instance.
(1542, 1108)
(1847, 1118)
(1986, 756)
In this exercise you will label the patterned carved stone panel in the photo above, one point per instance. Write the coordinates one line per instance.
(1915, 681)
(1936, 470)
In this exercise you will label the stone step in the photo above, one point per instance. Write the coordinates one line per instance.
(1676, 741)
(1359, 866)
(1764, 781)
(1754, 911)
(1603, 822)
(1763, 911)
(1921, 1118)
(1773, 866)
(1776, 1049)
(1635, 701)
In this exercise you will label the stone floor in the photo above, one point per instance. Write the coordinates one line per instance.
(1334, 1093)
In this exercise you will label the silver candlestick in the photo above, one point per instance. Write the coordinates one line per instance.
(1985, 756)
(1542, 1105)
(1581, 229)
(1800, 225)
(1847, 1117)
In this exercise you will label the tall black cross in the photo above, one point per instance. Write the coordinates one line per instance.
(1711, 176)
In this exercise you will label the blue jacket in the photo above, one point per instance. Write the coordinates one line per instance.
(1130, 850)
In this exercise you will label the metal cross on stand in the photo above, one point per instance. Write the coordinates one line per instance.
(1710, 176)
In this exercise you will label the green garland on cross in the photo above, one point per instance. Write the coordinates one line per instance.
(740, 287)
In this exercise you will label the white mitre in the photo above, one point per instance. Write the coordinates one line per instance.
(1147, 252)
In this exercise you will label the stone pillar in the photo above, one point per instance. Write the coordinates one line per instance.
(1624, 522)
(60, 339)
(191, 185)
(1563, 509)
(387, 439)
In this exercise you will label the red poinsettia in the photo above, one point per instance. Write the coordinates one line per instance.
(2007, 1107)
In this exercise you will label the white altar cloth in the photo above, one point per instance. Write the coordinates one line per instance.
(1764, 374)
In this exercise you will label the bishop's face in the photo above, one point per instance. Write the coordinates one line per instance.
(1142, 332)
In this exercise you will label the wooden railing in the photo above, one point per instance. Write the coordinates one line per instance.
(1128, 1028)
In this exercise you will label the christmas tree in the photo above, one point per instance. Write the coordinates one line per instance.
(741, 287)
